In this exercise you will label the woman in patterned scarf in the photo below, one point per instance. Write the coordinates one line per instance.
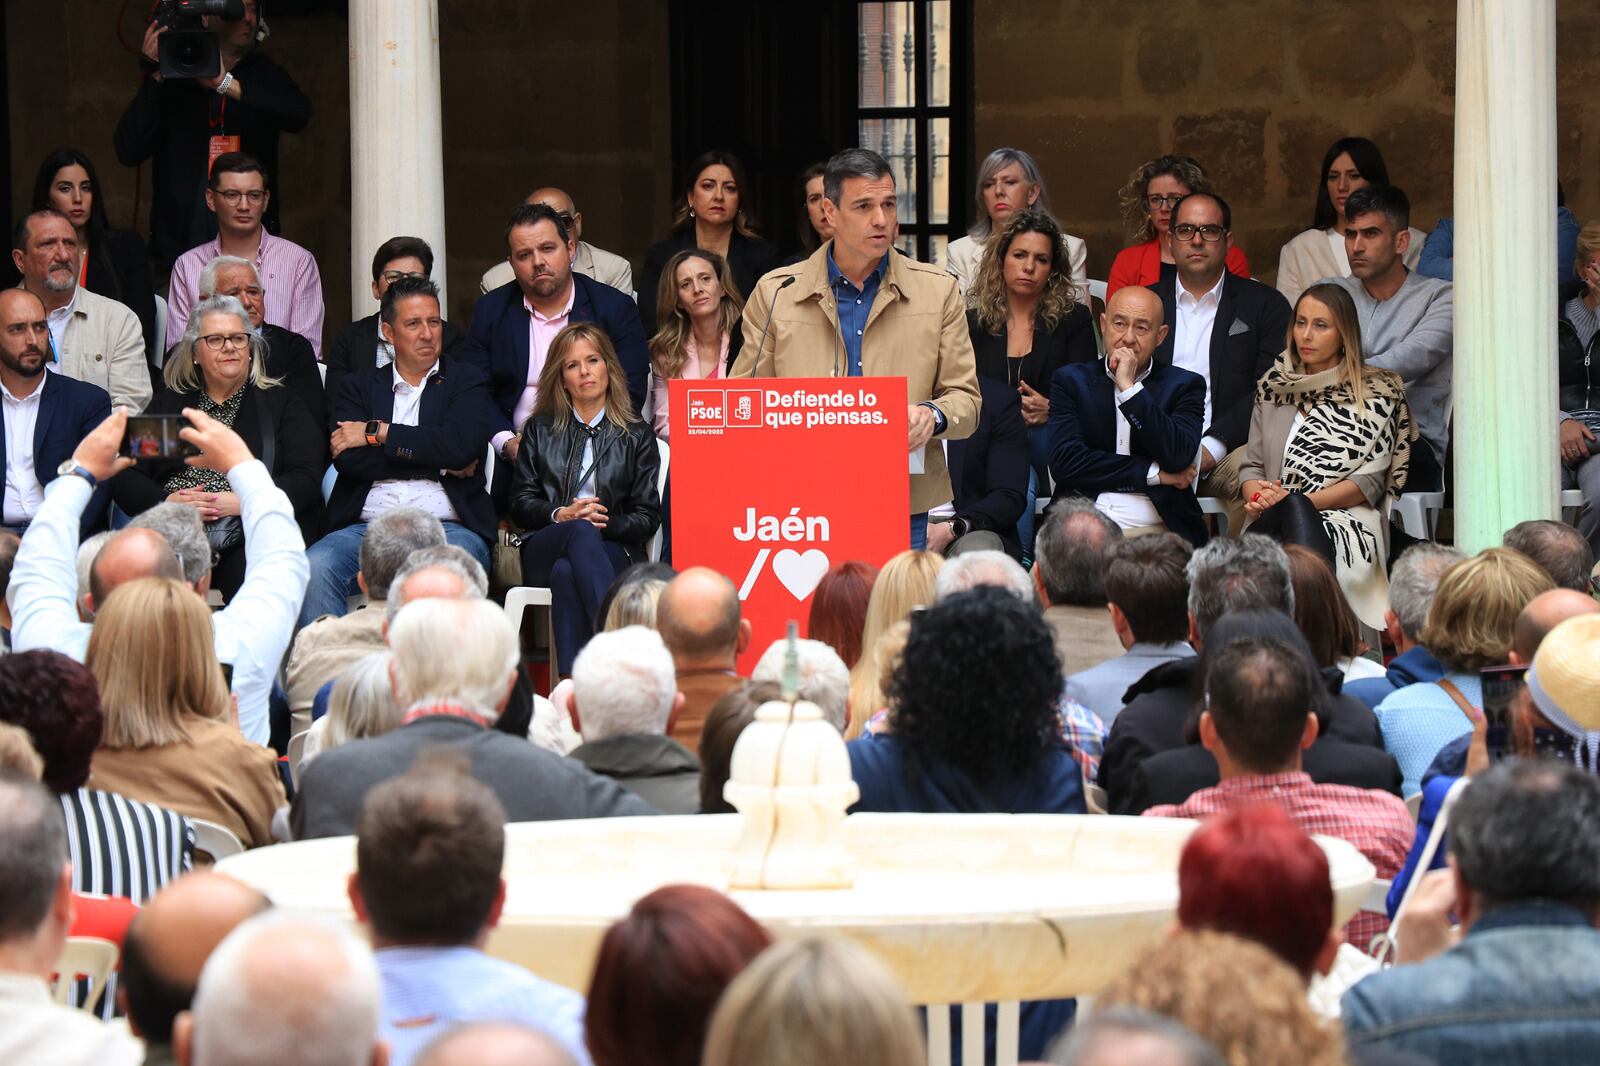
(1329, 441)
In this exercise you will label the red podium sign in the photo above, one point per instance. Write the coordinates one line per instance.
(776, 480)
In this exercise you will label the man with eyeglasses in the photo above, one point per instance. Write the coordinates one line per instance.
(237, 194)
(591, 262)
(360, 346)
(1125, 432)
(91, 338)
(1226, 328)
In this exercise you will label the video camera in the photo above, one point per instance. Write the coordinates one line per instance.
(188, 49)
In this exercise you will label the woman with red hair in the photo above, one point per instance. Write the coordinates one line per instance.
(839, 609)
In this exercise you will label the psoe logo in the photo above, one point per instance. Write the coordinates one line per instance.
(744, 407)
(705, 409)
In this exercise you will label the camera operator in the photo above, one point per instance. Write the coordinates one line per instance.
(185, 123)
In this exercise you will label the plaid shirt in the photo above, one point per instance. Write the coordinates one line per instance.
(1376, 822)
(1084, 734)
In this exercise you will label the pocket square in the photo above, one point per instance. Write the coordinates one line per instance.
(1239, 326)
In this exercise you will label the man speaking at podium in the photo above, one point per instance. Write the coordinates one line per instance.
(856, 308)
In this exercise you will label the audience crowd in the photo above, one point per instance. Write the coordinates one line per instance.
(248, 564)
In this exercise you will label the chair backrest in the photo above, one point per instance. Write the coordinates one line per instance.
(86, 956)
(215, 840)
(661, 488)
(159, 356)
(1414, 805)
(1096, 798)
(297, 751)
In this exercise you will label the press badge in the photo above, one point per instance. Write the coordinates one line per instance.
(220, 146)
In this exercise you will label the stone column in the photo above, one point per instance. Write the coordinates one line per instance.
(1506, 459)
(396, 136)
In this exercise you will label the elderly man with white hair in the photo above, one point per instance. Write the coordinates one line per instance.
(824, 678)
(970, 570)
(624, 698)
(455, 662)
(282, 988)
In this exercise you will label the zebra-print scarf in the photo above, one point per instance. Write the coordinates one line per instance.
(1329, 404)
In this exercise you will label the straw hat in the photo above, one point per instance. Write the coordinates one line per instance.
(1564, 680)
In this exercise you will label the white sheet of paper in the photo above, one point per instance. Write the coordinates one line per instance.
(918, 460)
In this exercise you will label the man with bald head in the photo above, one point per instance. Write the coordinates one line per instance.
(698, 618)
(494, 1044)
(1126, 432)
(166, 946)
(602, 266)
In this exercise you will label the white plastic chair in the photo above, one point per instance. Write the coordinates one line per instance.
(1096, 799)
(1213, 506)
(1417, 512)
(1571, 500)
(297, 751)
(1097, 290)
(1414, 807)
(160, 354)
(215, 840)
(87, 955)
(1377, 901)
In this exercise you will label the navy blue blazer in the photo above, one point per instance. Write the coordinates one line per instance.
(497, 343)
(452, 433)
(68, 410)
(989, 470)
(1165, 419)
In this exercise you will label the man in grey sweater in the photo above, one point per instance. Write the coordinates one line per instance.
(1405, 320)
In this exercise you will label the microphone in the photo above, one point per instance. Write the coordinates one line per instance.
(771, 306)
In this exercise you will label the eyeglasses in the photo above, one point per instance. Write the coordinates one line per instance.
(231, 196)
(217, 341)
(1156, 203)
(392, 276)
(1185, 231)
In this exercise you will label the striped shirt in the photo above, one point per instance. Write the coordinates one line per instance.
(122, 847)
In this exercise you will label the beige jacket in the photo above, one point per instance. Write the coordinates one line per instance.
(1308, 258)
(103, 344)
(591, 262)
(917, 330)
(327, 648)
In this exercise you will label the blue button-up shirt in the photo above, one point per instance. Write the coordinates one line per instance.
(854, 306)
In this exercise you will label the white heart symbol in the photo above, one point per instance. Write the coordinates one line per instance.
(800, 572)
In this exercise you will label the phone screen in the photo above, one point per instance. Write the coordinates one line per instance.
(1502, 686)
(155, 437)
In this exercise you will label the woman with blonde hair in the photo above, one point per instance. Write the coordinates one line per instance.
(1330, 439)
(904, 584)
(1148, 198)
(814, 1000)
(360, 704)
(171, 734)
(697, 334)
(1010, 181)
(585, 485)
(1471, 624)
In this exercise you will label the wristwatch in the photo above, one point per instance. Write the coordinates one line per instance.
(372, 433)
(71, 466)
(960, 527)
(222, 86)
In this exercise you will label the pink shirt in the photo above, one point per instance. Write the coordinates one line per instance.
(289, 277)
(541, 331)
(690, 371)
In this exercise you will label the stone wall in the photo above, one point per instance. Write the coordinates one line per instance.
(1256, 91)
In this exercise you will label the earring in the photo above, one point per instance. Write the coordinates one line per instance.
(691, 212)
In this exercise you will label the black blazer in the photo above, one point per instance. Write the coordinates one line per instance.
(119, 269)
(497, 342)
(626, 467)
(1251, 331)
(1165, 419)
(989, 470)
(452, 433)
(355, 350)
(1072, 341)
(68, 410)
(291, 360)
(299, 453)
(748, 259)
(1173, 776)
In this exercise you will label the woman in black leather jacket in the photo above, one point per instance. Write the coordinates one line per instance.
(1578, 363)
(586, 483)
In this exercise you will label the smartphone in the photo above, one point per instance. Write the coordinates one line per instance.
(1502, 687)
(155, 437)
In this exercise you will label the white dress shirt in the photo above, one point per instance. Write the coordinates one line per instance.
(586, 486)
(34, 1030)
(422, 493)
(1191, 345)
(251, 633)
(1130, 510)
(23, 493)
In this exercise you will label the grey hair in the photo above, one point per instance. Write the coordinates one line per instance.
(87, 551)
(182, 372)
(1559, 549)
(1237, 574)
(33, 850)
(624, 684)
(180, 523)
(1070, 552)
(447, 557)
(362, 702)
(206, 286)
(463, 652)
(284, 987)
(390, 540)
(1083, 1043)
(824, 678)
(852, 163)
(994, 163)
(1414, 580)
(1525, 830)
(970, 570)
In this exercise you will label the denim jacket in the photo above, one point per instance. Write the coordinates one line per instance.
(1521, 989)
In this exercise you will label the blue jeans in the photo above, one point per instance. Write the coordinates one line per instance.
(1038, 476)
(919, 531)
(336, 559)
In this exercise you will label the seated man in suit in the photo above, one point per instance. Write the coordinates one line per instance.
(989, 480)
(1126, 433)
(360, 346)
(289, 355)
(408, 435)
(48, 413)
(1226, 328)
(512, 327)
